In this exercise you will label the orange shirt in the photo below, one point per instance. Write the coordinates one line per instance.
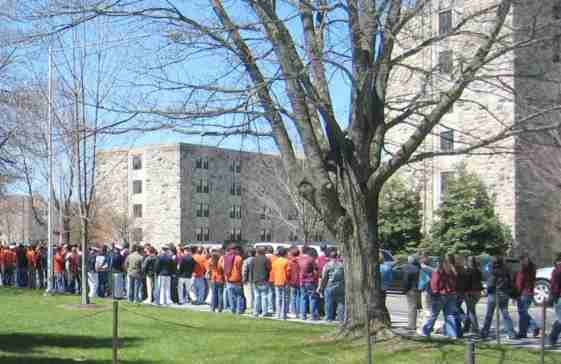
(58, 263)
(279, 271)
(31, 258)
(216, 273)
(235, 275)
(272, 259)
(200, 267)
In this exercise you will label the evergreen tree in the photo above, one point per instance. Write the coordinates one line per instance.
(400, 221)
(467, 223)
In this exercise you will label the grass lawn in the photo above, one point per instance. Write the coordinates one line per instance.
(39, 330)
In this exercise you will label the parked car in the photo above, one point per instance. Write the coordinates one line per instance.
(542, 287)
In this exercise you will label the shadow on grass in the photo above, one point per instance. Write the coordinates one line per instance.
(20, 343)
(54, 360)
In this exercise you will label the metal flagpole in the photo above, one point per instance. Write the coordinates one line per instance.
(50, 278)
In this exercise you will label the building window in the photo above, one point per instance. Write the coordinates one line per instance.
(202, 186)
(444, 22)
(202, 233)
(445, 62)
(266, 213)
(137, 210)
(317, 236)
(236, 189)
(266, 235)
(447, 140)
(236, 234)
(201, 163)
(136, 162)
(236, 166)
(137, 235)
(557, 10)
(136, 187)
(202, 210)
(293, 215)
(445, 178)
(292, 236)
(557, 49)
(236, 212)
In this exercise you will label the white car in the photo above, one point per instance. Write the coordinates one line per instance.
(542, 286)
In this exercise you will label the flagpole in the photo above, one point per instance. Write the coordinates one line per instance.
(50, 274)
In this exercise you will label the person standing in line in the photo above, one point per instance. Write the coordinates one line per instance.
(133, 266)
(499, 289)
(294, 281)
(332, 286)
(308, 282)
(524, 282)
(425, 274)
(165, 267)
(116, 261)
(185, 269)
(21, 267)
(42, 269)
(261, 270)
(409, 286)
(247, 279)
(443, 288)
(232, 268)
(554, 299)
(93, 275)
(279, 272)
(271, 300)
(31, 255)
(58, 268)
(149, 271)
(199, 277)
(73, 267)
(472, 295)
(102, 268)
(216, 280)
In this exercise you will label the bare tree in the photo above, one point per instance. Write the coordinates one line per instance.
(280, 70)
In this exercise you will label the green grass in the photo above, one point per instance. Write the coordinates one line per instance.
(39, 330)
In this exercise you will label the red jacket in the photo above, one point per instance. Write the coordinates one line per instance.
(442, 282)
(308, 269)
(293, 272)
(525, 279)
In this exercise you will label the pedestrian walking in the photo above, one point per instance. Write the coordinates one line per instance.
(409, 286)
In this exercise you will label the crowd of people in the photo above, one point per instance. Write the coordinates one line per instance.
(454, 287)
(291, 281)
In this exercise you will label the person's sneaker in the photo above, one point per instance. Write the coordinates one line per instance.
(513, 337)
(536, 332)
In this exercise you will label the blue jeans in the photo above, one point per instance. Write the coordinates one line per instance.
(260, 298)
(334, 304)
(217, 302)
(471, 322)
(270, 298)
(556, 328)
(503, 307)
(295, 301)
(136, 286)
(118, 285)
(235, 295)
(525, 321)
(60, 285)
(199, 287)
(226, 299)
(281, 292)
(309, 300)
(21, 277)
(447, 304)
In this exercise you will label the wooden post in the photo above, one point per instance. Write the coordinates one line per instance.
(368, 339)
(497, 317)
(115, 331)
(470, 352)
(544, 313)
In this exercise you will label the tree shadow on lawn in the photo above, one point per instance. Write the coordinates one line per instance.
(19, 343)
(54, 360)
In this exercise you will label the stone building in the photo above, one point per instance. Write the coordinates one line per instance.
(522, 172)
(17, 220)
(182, 193)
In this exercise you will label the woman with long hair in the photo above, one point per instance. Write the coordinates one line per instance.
(472, 295)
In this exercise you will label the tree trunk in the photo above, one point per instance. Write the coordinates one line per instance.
(66, 228)
(365, 301)
(85, 299)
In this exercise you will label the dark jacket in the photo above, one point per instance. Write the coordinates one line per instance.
(474, 279)
(165, 265)
(186, 266)
(500, 279)
(261, 269)
(525, 280)
(556, 282)
(410, 278)
(21, 258)
(117, 261)
(149, 265)
(463, 281)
